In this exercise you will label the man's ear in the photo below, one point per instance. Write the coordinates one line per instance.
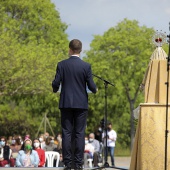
(70, 51)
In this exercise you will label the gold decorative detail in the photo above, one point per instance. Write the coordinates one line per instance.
(159, 39)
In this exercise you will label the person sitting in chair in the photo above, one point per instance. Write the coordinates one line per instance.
(27, 157)
(95, 143)
(41, 152)
(88, 152)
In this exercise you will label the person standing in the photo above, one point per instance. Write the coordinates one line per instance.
(74, 75)
(111, 140)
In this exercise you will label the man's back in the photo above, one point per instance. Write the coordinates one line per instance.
(74, 75)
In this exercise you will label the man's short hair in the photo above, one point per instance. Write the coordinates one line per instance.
(75, 45)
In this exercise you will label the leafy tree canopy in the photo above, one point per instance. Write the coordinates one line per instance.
(121, 56)
(32, 41)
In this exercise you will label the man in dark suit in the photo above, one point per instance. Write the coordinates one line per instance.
(74, 75)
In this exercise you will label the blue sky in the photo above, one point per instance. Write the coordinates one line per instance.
(93, 17)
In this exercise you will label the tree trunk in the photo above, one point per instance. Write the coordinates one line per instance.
(131, 102)
(132, 131)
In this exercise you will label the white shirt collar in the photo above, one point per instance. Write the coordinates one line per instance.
(75, 55)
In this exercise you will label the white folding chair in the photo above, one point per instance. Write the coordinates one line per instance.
(90, 162)
(50, 156)
(10, 153)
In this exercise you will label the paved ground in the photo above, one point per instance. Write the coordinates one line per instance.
(122, 162)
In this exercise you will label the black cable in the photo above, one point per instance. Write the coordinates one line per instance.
(167, 101)
(108, 167)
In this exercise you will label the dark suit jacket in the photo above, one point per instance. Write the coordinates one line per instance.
(73, 74)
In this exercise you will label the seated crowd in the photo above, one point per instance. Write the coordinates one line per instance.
(24, 152)
(18, 152)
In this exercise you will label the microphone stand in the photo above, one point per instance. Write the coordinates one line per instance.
(167, 100)
(106, 164)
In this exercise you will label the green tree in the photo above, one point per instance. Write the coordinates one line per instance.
(32, 41)
(121, 56)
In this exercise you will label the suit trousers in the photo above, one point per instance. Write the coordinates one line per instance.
(73, 123)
